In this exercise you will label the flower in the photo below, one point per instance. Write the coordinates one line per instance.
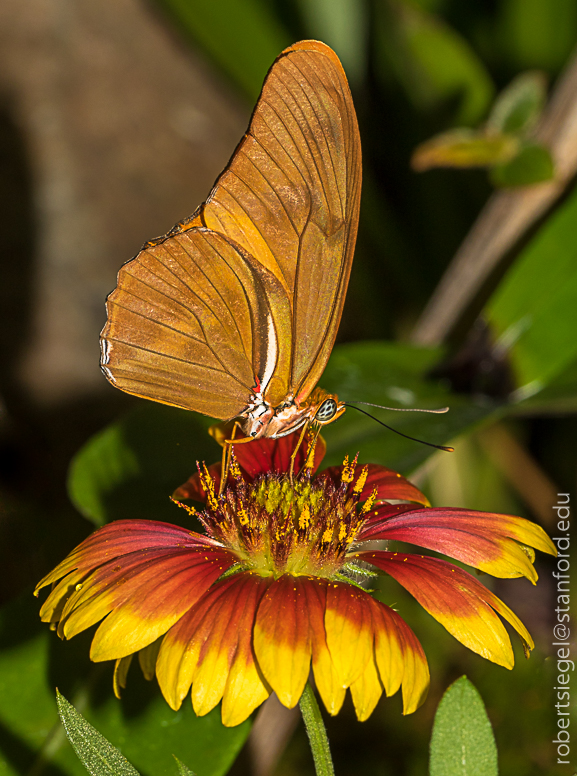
(274, 584)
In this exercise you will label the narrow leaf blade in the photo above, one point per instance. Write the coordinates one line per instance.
(97, 754)
(183, 770)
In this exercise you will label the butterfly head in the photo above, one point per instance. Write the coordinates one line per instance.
(328, 410)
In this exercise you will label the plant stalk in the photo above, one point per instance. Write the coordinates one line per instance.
(316, 732)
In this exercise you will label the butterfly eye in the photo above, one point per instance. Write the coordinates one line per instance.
(326, 411)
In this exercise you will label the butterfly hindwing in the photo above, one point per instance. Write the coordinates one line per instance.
(187, 322)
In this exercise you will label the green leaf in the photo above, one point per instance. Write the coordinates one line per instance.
(33, 660)
(97, 754)
(533, 164)
(559, 396)
(463, 148)
(533, 310)
(519, 105)
(394, 374)
(462, 743)
(131, 467)
(182, 769)
(243, 39)
(432, 61)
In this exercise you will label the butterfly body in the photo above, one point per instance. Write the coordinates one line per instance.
(233, 313)
(259, 419)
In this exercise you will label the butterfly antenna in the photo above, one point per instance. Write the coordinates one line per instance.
(440, 411)
(400, 433)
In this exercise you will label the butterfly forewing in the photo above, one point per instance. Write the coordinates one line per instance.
(291, 195)
(246, 295)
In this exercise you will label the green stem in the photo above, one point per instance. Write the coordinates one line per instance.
(316, 732)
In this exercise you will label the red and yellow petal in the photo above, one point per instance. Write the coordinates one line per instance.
(349, 630)
(330, 688)
(147, 658)
(456, 600)
(210, 650)
(143, 594)
(366, 691)
(282, 638)
(391, 485)
(400, 658)
(496, 544)
(155, 604)
(121, 538)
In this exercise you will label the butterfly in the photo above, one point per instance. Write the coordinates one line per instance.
(234, 312)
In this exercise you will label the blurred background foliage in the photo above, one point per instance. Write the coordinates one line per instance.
(507, 368)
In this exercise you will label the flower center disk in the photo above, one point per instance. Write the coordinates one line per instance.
(276, 526)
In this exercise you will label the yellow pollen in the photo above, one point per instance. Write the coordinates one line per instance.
(342, 532)
(310, 459)
(190, 510)
(208, 485)
(234, 468)
(242, 513)
(305, 517)
(327, 536)
(369, 503)
(348, 470)
(360, 483)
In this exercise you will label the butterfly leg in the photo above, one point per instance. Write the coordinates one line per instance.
(295, 451)
(225, 461)
(310, 456)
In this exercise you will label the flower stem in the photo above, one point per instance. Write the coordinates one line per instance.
(316, 732)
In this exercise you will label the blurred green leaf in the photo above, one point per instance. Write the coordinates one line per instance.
(463, 148)
(341, 24)
(462, 743)
(130, 468)
(519, 105)
(432, 61)
(559, 396)
(97, 754)
(533, 164)
(244, 38)
(533, 310)
(182, 769)
(394, 374)
(33, 660)
(537, 33)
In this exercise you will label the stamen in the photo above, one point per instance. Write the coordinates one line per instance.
(360, 483)
(305, 518)
(208, 485)
(234, 468)
(310, 459)
(327, 536)
(191, 510)
(241, 512)
(348, 471)
(369, 503)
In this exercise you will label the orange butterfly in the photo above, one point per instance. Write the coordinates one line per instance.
(235, 311)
